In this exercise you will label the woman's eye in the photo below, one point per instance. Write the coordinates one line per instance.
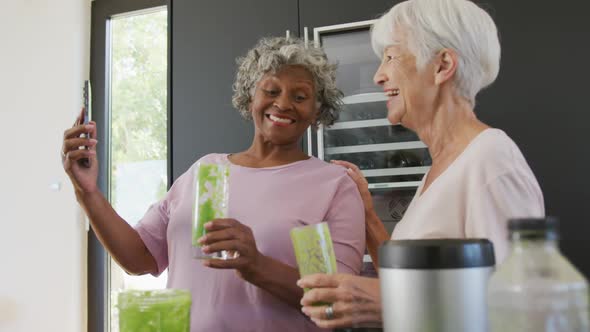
(388, 58)
(300, 98)
(272, 92)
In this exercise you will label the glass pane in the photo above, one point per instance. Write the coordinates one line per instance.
(356, 61)
(386, 159)
(138, 113)
(368, 135)
(363, 111)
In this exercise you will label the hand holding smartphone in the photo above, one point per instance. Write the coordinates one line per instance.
(87, 113)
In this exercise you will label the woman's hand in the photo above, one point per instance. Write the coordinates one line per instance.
(82, 174)
(355, 301)
(361, 182)
(232, 236)
(263, 271)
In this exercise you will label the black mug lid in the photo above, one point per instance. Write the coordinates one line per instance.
(430, 254)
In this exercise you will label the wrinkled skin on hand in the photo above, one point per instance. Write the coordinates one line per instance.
(356, 301)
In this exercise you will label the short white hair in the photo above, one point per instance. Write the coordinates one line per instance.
(431, 25)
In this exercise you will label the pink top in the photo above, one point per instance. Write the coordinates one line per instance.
(271, 201)
(475, 196)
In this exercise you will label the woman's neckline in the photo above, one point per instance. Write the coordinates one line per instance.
(420, 190)
(291, 164)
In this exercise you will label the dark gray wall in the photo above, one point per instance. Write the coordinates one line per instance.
(540, 100)
(318, 13)
(207, 38)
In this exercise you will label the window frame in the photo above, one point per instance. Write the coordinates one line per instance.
(98, 283)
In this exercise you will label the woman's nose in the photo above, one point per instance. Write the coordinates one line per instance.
(283, 102)
(380, 78)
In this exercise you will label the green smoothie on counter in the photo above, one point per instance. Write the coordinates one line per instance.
(165, 310)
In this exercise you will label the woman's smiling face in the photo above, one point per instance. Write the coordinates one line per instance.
(410, 91)
(284, 105)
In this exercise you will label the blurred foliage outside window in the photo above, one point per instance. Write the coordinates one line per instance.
(138, 124)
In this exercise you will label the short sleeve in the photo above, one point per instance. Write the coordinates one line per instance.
(152, 229)
(346, 220)
(510, 195)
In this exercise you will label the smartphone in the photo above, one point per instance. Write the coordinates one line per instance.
(87, 101)
(87, 113)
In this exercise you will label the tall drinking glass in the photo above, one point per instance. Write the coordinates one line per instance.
(211, 202)
(314, 250)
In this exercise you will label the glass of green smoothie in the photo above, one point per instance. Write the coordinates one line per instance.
(211, 202)
(163, 310)
(314, 250)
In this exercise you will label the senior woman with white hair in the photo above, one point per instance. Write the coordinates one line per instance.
(283, 87)
(436, 56)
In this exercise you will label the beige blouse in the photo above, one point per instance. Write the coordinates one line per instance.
(489, 183)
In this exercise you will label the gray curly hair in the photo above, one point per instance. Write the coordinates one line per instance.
(269, 55)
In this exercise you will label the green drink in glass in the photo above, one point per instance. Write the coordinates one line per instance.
(211, 202)
(314, 250)
(165, 310)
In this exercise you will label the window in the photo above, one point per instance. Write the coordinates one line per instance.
(138, 114)
(129, 72)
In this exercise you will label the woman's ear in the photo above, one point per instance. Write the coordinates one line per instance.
(250, 117)
(446, 65)
(314, 121)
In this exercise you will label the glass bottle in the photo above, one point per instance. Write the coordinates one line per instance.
(536, 288)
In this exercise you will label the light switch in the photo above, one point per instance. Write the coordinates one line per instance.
(55, 185)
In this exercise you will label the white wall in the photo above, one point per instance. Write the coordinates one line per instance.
(44, 58)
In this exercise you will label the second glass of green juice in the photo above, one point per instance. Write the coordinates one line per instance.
(314, 250)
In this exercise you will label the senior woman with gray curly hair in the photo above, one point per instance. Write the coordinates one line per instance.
(283, 87)
(436, 56)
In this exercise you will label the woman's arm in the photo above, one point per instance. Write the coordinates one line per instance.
(376, 235)
(507, 196)
(277, 278)
(116, 235)
(375, 231)
(80, 163)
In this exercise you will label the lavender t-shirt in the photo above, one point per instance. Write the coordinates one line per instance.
(271, 201)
